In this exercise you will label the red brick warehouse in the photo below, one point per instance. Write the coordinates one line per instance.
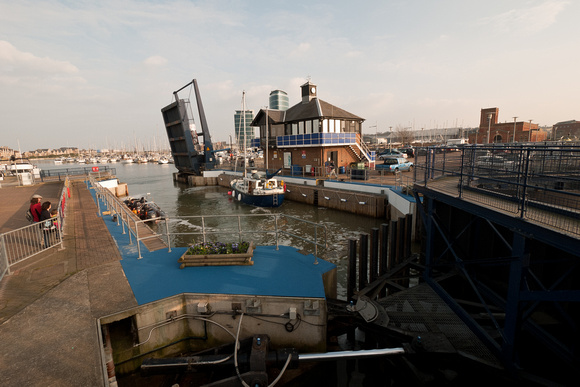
(492, 132)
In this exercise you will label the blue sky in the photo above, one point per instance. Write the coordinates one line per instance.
(97, 73)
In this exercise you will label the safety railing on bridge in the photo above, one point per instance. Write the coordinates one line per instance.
(76, 172)
(535, 182)
(23, 243)
(182, 231)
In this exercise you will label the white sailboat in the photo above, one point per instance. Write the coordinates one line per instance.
(256, 188)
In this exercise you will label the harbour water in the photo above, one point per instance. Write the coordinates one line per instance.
(177, 200)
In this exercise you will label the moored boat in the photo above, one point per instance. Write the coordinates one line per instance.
(16, 166)
(258, 189)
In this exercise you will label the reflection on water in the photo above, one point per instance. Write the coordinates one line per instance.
(155, 182)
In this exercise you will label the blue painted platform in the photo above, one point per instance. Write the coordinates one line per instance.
(284, 272)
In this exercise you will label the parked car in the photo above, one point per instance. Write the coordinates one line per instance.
(409, 152)
(390, 153)
(395, 164)
(494, 161)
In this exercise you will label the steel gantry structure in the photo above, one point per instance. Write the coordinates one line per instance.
(501, 235)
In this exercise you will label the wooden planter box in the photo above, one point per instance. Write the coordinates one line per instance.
(218, 259)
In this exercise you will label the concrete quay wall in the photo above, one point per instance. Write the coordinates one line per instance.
(358, 198)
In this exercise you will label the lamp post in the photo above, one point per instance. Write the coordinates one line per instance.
(530, 132)
(376, 126)
(515, 117)
(390, 137)
(488, 126)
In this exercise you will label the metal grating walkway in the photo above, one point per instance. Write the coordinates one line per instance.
(420, 311)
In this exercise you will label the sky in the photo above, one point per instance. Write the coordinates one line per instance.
(97, 73)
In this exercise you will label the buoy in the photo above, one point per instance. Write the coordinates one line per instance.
(230, 193)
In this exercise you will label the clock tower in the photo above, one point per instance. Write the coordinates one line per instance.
(308, 92)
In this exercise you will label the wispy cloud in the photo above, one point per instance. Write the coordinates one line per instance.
(24, 70)
(16, 61)
(155, 61)
(526, 20)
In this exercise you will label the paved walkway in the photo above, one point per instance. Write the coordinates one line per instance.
(50, 303)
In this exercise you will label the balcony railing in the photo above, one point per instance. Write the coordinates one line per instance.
(316, 139)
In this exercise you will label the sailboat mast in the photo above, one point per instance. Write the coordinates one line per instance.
(244, 129)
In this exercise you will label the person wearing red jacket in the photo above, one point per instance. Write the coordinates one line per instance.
(36, 207)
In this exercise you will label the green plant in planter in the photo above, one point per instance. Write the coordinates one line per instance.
(211, 248)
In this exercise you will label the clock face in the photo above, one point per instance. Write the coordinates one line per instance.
(313, 90)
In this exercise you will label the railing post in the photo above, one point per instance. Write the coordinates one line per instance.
(524, 188)
(167, 233)
(129, 230)
(4, 256)
(137, 240)
(461, 173)
(276, 229)
(59, 231)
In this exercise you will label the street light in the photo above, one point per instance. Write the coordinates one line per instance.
(488, 125)
(530, 132)
(376, 126)
(515, 117)
(390, 137)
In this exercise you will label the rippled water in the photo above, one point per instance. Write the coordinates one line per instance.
(155, 182)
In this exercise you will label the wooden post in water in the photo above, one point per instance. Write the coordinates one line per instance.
(408, 234)
(351, 274)
(392, 244)
(400, 241)
(363, 261)
(374, 255)
(400, 245)
(384, 253)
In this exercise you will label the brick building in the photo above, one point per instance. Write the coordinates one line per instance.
(310, 133)
(491, 131)
(566, 130)
(6, 152)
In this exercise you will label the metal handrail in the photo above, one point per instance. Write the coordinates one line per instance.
(25, 242)
(125, 218)
(535, 182)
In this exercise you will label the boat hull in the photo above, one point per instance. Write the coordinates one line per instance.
(272, 200)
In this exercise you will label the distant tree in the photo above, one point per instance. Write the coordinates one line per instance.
(403, 135)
